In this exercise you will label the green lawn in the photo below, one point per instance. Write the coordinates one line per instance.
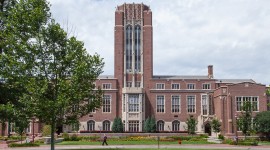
(142, 142)
(151, 149)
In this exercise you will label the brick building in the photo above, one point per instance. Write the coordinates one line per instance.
(133, 93)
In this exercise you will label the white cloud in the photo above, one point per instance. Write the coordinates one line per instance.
(232, 35)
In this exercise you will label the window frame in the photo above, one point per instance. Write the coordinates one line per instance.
(175, 84)
(160, 108)
(110, 104)
(189, 85)
(193, 105)
(174, 106)
(160, 86)
(106, 86)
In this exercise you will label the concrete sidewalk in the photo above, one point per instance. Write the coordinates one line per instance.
(203, 146)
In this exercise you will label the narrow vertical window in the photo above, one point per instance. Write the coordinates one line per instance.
(128, 47)
(175, 104)
(106, 103)
(160, 103)
(176, 125)
(204, 105)
(137, 48)
(191, 104)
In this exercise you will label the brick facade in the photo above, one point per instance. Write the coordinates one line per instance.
(134, 92)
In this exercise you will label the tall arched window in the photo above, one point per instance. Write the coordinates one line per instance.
(137, 48)
(106, 125)
(176, 125)
(91, 125)
(129, 47)
(160, 125)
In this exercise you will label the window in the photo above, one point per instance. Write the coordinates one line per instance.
(106, 103)
(28, 129)
(175, 104)
(160, 125)
(241, 100)
(129, 84)
(204, 105)
(160, 103)
(137, 48)
(94, 109)
(106, 125)
(133, 103)
(175, 86)
(191, 104)
(206, 86)
(124, 103)
(191, 86)
(128, 48)
(106, 86)
(91, 125)
(160, 86)
(133, 126)
(176, 125)
(12, 127)
(138, 84)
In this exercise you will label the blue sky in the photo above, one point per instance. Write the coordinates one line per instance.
(188, 35)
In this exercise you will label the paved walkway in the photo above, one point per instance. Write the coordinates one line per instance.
(204, 146)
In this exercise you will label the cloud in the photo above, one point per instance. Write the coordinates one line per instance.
(188, 35)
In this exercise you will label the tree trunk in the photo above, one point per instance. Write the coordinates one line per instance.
(52, 133)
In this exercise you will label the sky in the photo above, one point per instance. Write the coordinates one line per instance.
(188, 35)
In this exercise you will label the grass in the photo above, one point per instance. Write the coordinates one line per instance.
(264, 143)
(142, 142)
(151, 149)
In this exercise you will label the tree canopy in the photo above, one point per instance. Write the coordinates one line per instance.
(191, 125)
(53, 72)
(262, 124)
(117, 126)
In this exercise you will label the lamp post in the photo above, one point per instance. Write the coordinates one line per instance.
(236, 134)
(33, 129)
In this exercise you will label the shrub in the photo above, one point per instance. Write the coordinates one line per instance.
(23, 145)
(117, 126)
(65, 136)
(221, 137)
(46, 130)
(74, 137)
(204, 136)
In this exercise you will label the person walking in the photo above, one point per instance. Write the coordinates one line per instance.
(104, 140)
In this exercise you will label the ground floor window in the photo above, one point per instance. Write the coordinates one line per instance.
(160, 125)
(133, 126)
(176, 125)
(106, 125)
(91, 125)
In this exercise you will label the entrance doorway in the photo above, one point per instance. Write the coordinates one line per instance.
(207, 129)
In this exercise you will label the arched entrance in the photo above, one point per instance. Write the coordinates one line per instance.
(207, 129)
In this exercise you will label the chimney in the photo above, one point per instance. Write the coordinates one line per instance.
(210, 72)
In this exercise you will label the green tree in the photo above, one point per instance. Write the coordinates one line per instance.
(244, 122)
(191, 125)
(21, 122)
(262, 124)
(215, 124)
(55, 71)
(118, 126)
(150, 124)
